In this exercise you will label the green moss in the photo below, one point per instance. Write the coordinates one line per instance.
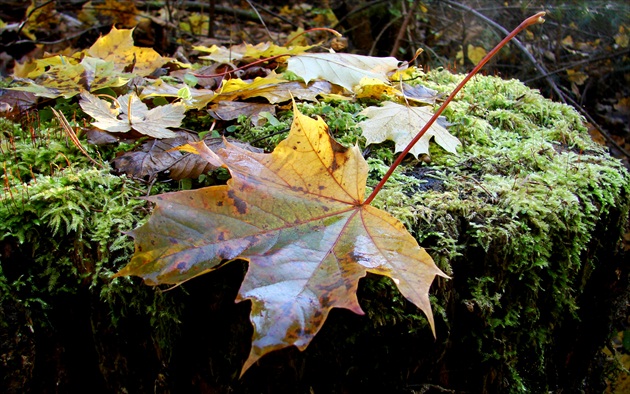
(515, 214)
(62, 224)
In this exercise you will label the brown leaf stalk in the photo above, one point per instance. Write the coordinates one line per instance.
(242, 67)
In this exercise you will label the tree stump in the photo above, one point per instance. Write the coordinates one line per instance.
(527, 220)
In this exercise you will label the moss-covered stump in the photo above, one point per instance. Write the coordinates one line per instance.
(526, 219)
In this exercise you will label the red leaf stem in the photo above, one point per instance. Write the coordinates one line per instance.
(538, 18)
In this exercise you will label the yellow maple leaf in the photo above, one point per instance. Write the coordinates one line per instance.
(118, 47)
(577, 76)
(41, 16)
(64, 76)
(236, 87)
(298, 216)
(268, 49)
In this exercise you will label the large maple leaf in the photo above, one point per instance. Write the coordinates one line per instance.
(297, 215)
(117, 47)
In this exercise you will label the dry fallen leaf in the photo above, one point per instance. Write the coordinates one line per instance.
(132, 113)
(117, 46)
(400, 123)
(157, 156)
(230, 110)
(342, 69)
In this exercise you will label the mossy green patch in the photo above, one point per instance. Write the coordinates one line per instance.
(514, 216)
(62, 224)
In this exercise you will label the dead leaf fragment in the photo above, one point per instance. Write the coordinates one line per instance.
(157, 156)
(420, 94)
(230, 110)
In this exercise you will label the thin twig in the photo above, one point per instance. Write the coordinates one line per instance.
(335, 32)
(518, 44)
(19, 30)
(383, 30)
(356, 11)
(65, 125)
(267, 59)
(618, 54)
(262, 21)
(282, 18)
(59, 41)
(211, 19)
(219, 9)
(403, 29)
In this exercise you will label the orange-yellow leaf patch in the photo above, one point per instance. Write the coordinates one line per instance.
(117, 47)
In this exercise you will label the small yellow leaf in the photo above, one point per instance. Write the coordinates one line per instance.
(567, 41)
(268, 49)
(578, 77)
(237, 86)
(622, 38)
(374, 88)
(297, 37)
(475, 54)
(404, 74)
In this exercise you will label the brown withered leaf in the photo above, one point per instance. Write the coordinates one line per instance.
(100, 137)
(420, 93)
(162, 155)
(12, 102)
(230, 110)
